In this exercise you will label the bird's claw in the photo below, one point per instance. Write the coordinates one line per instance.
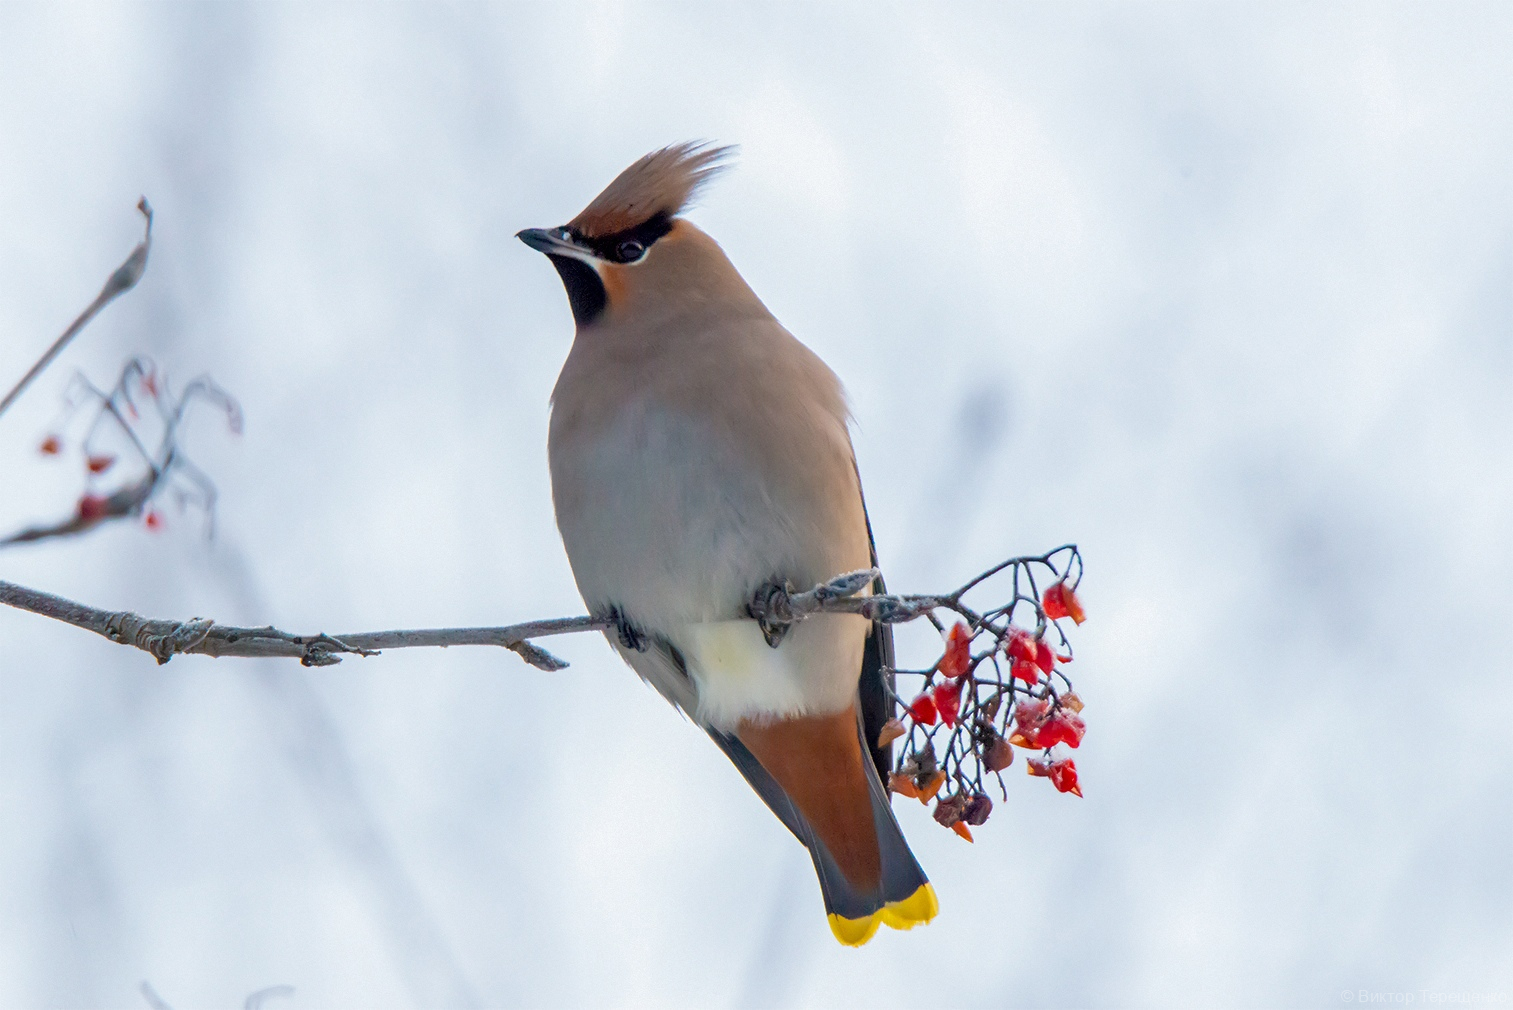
(769, 607)
(630, 636)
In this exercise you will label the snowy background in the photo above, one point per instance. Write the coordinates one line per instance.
(1223, 293)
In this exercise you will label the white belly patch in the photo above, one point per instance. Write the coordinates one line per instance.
(739, 676)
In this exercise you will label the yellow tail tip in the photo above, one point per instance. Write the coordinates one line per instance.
(919, 907)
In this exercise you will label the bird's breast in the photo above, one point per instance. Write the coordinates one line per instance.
(676, 521)
(662, 517)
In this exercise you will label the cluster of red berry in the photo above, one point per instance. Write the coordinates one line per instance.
(142, 418)
(977, 707)
(92, 507)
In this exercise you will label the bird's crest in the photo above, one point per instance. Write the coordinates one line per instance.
(663, 183)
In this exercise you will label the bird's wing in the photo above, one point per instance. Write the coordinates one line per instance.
(875, 691)
(662, 666)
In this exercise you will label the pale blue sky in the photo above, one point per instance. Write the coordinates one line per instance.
(1222, 292)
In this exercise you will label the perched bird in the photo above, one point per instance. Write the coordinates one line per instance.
(700, 455)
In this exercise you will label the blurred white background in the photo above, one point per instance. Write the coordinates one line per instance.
(1223, 293)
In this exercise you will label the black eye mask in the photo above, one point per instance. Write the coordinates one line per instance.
(629, 245)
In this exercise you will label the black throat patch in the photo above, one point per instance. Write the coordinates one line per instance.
(585, 291)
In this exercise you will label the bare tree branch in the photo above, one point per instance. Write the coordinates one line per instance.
(124, 279)
(201, 636)
(963, 725)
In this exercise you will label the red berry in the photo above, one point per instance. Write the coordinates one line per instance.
(1060, 601)
(93, 507)
(1021, 646)
(1063, 775)
(1026, 671)
(947, 698)
(1063, 727)
(977, 810)
(958, 657)
(903, 784)
(1029, 717)
(999, 756)
(949, 810)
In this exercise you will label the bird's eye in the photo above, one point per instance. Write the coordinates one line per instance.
(629, 251)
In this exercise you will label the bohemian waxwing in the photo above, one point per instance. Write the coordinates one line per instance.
(699, 454)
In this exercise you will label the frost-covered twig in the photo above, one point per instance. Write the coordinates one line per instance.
(201, 636)
(165, 639)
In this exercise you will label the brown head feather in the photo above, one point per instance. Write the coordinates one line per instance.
(663, 182)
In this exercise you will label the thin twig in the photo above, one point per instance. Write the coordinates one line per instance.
(124, 279)
(91, 511)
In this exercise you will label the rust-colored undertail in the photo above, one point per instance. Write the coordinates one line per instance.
(817, 761)
(813, 773)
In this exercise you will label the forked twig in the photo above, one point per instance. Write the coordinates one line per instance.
(117, 411)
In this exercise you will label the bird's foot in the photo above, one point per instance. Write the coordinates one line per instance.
(630, 636)
(769, 607)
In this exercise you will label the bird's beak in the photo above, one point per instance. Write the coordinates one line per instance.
(555, 242)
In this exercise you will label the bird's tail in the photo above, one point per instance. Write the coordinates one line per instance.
(899, 896)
